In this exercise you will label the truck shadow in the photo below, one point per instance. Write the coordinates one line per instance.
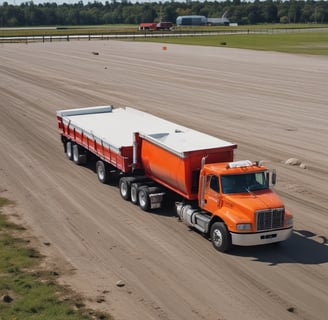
(166, 211)
(302, 247)
(114, 177)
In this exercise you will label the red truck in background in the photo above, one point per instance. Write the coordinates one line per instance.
(155, 26)
(159, 161)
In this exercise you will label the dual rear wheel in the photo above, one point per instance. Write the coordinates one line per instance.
(131, 190)
(69, 150)
(78, 155)
(75, 153)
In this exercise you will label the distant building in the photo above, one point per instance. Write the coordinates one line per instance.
(191, 21)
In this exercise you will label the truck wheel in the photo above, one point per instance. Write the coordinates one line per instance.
(134, 193)
(78, 157)
(102, 172)
(220, 237)
(124, 186)
(144, 199)
(69, 150)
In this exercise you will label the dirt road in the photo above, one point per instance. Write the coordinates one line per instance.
(274, 106)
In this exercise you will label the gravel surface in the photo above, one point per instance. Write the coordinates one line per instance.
(274, 106)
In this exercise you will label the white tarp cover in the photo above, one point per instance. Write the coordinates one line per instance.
(117, 125)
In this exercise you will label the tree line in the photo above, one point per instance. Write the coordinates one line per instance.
(125, 12)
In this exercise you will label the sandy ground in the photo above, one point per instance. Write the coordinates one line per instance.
(274, 106)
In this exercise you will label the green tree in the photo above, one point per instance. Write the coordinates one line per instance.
(294, 11)
(269, 11)
(169, 13)
(115, 11)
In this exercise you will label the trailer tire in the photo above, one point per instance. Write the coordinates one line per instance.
(102, 171)
(69, 150)
(220, 237)
(134, 193)
(125, 187)
(78, 157)
(144, 199)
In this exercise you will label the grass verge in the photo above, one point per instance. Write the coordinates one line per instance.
(314, 43)
(26, 291)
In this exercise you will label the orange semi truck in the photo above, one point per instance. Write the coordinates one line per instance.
(158, 161)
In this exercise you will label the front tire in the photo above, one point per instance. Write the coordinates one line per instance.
(220, 237)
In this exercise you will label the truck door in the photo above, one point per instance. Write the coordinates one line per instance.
(212, 193)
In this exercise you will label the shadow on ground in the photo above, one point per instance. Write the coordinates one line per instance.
(303, 247)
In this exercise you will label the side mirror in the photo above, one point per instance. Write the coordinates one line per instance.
(274, 177)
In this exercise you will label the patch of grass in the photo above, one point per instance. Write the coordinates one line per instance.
(4, 201)
(315, 43)
(29, 294)
(68, 30)
(300, 42)
(267, 26)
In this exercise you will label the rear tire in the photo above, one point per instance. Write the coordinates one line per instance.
(78, 157)
(102, 171)
(220, 237)
(144, 199)
(69, 150)
(134, 193)
(125, 188)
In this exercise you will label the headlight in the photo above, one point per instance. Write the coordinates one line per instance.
(289, 222)
(244, 226)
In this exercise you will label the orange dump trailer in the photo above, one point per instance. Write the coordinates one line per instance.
(158, 161)
(166, 159)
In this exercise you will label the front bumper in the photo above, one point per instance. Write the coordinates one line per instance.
(254, 239)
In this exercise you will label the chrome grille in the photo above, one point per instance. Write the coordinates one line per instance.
(269, 219)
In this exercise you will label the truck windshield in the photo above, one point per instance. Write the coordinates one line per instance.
(244, 182)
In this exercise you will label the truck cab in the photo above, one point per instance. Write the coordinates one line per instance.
(238, 207)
